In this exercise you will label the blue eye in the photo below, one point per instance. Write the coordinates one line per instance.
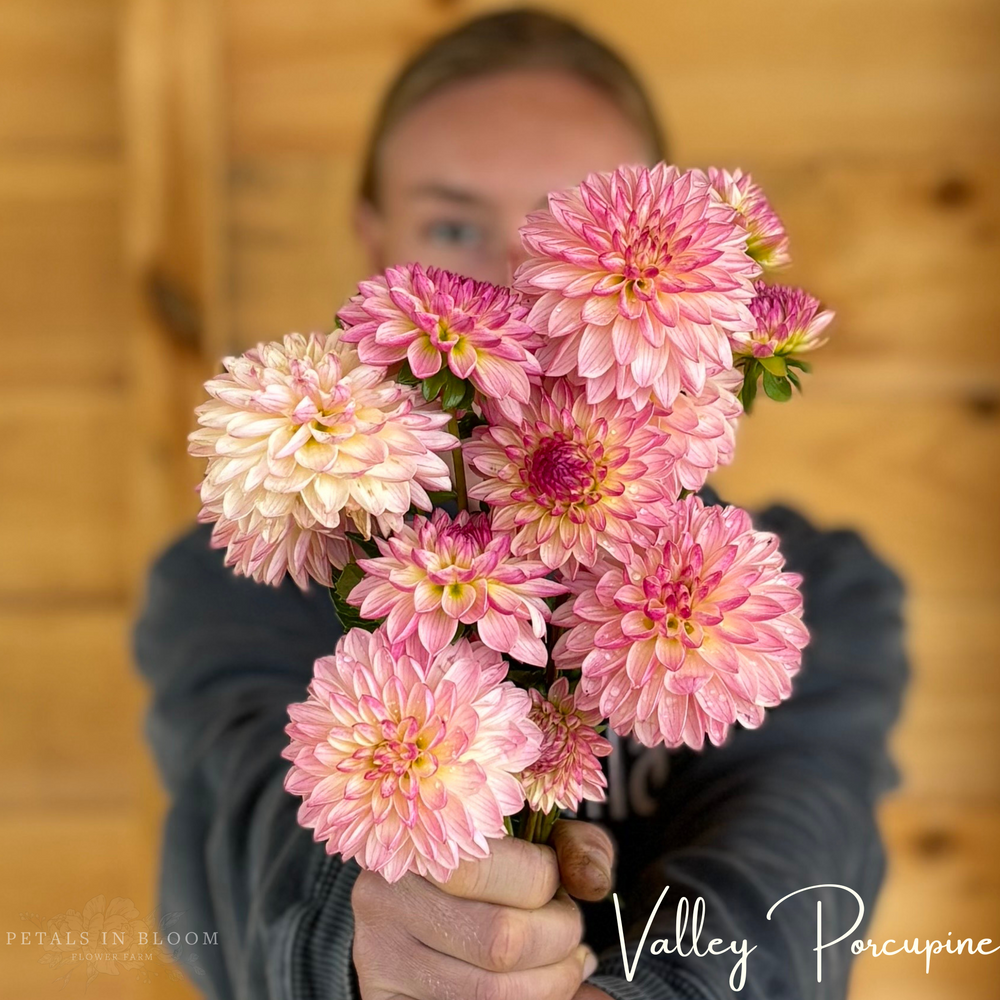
(455, 234)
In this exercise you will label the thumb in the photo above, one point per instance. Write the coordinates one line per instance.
(586, 855)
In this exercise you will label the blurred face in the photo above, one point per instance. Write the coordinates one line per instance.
(459, 173)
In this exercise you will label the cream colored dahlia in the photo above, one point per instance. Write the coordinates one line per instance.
(304, 442)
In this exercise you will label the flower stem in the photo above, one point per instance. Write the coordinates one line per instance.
(458, 460)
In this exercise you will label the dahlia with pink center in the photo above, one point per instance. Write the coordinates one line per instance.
(433, 318)
(641, 275)
(688, 635)
(299, 434)
(408, 761)
(767, 242)
(571, 478)
(568, 769)
(702, 431)
(442, 572)
(787, 321)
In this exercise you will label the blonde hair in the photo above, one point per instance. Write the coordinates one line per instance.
(515, 39)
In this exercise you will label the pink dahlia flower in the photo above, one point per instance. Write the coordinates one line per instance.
(442, 572)
(702, 431)
(571, 478)
(409, 763)
(299, 434)
(267, 548)
(767, 243)
(788, 321)
(433, 317)
(642, 274)
(568, 769)
(689, 635)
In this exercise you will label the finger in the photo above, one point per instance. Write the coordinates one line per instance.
(434, 975)
(516, 873)
(586, 855)
(496, 938)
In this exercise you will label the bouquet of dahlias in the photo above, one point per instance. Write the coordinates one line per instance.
(559, 575)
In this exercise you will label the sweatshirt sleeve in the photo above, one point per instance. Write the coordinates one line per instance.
(224, 657)
(784, 807)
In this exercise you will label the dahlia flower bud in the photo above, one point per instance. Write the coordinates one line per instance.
(767, 243)
(408, 761)
(568, 769)
(688, 635)
(434, 318)
(304, 442)
(641, 275)
(442, 572)
(787, 321)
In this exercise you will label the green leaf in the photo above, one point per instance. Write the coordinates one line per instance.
(453, 392)
(439, 497)
(796, 363)
(431, 387)
(774, 365)
(348, 615)
(778, 389)
(405, 374)
(468, 398)
(469, 423)
(748, 392)
(793, 377)
(367, 545)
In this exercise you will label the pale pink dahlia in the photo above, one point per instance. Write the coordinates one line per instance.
(300, 433)
(571, 478)
(442, 572)
(702, 431)
(433, 317)
(642, 274)
(568, 769)
(788, 321)
(691, 634)
(409, 763)
(768, 242)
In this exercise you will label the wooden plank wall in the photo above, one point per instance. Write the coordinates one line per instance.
(166, 159)
(873, 125)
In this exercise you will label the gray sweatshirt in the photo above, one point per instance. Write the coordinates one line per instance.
(259, 910)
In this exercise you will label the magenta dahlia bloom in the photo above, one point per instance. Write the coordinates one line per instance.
(442, 572)
(303, 442)
(768, 242)
(409, 763)
(788, 321)
(571, 478)
(689, 635)
(641, 275)
(433, 318)
(702, 431)
(568, 769)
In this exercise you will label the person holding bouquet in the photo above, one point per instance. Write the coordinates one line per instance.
(562, 435)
